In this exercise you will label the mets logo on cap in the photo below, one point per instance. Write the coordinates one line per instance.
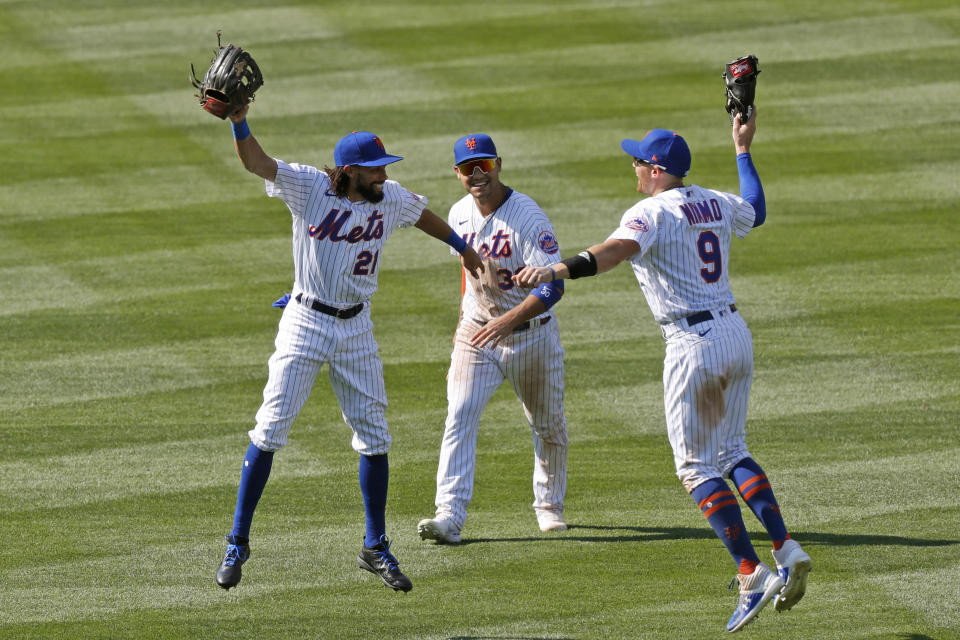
(547, 242)
(638, 224)
(471, 143)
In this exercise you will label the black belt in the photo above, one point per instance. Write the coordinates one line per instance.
(703, 316)
(343, 314)
(523, 326)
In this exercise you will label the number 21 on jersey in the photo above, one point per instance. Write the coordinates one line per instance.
(366, 264)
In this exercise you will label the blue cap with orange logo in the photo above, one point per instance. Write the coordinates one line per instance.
(361, 148)
(661, 147)
(472, 146)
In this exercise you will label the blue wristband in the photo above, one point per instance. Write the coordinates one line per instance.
(455, 241)
(549, 293)
(240, 131)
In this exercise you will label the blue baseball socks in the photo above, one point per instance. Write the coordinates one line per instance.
(374, 475)
(253, 478)
(756, 491)
(722, 511)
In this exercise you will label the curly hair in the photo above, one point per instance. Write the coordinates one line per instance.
(339, 180)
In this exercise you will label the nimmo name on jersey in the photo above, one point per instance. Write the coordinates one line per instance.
(700, 212)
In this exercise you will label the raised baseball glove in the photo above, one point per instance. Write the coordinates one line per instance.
(230, 81)
(740, 76)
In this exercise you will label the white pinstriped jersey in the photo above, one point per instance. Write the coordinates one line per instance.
(337, 243)
(517, 234)
(684, 236)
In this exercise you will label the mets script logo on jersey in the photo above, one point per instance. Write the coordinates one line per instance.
(703, 211)
(548, 243)
(329, 228)
(471, 143)
(638, 224)
(499, 246)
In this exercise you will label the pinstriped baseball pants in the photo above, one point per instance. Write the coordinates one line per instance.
(532, 361)
(706, 389)
(307, 340)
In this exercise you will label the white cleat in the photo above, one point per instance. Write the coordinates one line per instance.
(439, 529)
(550, 520)
(793, 565)
(756, 590)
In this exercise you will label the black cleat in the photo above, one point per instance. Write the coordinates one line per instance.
(228, 575)
(380, 561)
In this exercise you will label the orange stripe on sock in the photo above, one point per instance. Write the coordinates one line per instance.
(751, 481)
(748, 566)
(752, 492)
(714, 497)
(719, 505)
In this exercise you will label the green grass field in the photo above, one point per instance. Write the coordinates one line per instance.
(138, 262)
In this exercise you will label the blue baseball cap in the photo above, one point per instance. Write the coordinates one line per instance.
(361, 148)
(661, 147)
(473, 145)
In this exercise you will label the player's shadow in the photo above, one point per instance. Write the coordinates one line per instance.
(613, 533)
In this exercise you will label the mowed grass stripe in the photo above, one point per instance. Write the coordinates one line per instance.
(817, 494)
(931, 592)
(83, 284)
(123, 473)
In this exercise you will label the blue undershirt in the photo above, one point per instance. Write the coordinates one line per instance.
(750, 188)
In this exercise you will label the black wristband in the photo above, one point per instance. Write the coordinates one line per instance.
(582, 264)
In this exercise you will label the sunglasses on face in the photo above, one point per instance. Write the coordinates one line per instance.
(637, 162)
(486, 165)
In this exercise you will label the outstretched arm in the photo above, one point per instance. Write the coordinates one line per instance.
(253, 157)
(599, 259)
(431, 224)
(750, 188)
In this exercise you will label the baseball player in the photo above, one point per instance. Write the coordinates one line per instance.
(678, 243)
(341, 219)
(504, 333)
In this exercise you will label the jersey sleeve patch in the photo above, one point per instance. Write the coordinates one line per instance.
(548, 243)
(638, 224)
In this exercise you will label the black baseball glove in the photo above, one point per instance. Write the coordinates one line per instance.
(740, 76)
(229, 83)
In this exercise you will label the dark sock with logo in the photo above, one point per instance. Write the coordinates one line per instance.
(719, 505)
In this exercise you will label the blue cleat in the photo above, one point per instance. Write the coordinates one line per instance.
(793, 565)
(756, 590)
(228, 575)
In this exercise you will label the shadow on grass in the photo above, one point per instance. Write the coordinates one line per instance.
(579, 533)
(504, 638)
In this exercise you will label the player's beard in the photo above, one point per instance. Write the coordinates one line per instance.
(370, 192)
